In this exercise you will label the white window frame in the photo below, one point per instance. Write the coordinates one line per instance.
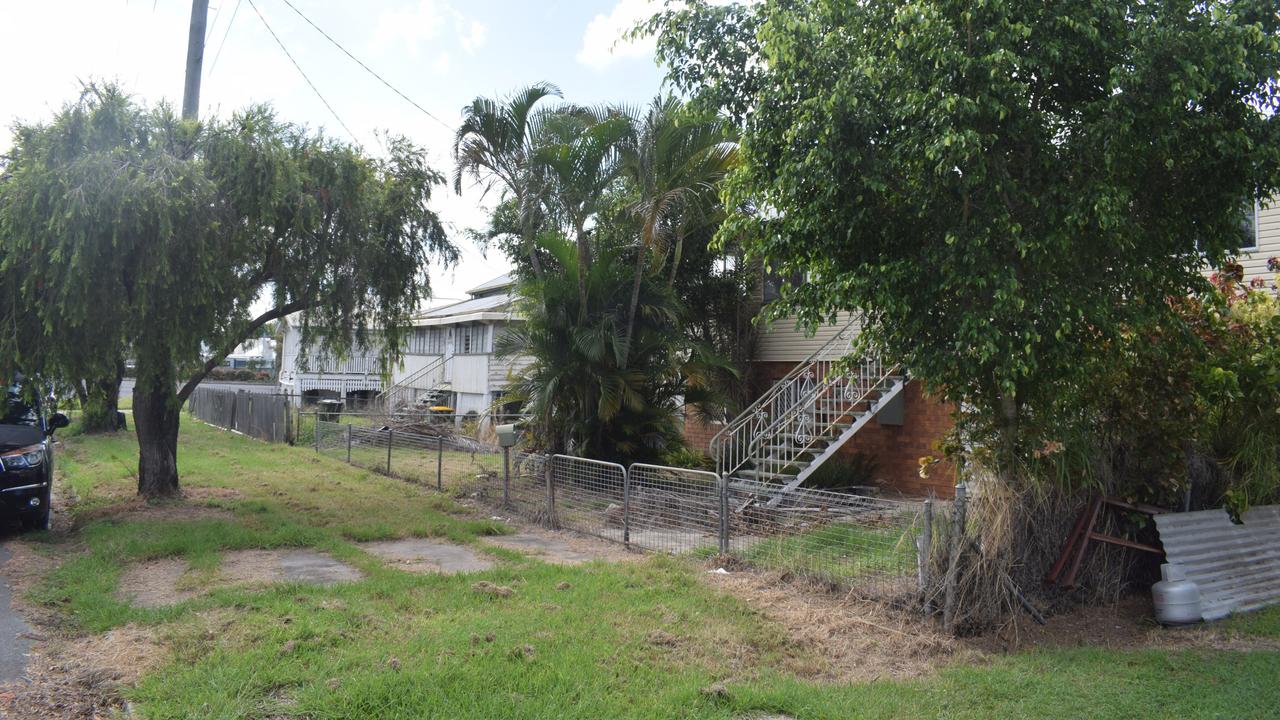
(1256, 230)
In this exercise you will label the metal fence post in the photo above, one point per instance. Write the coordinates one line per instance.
(506, 477)
(348, 443)
(926, 545)
(440, 464)
(626, 507)
(953, 561)
(316, 431)
(724, 514)
(551, 492)
(389, 431)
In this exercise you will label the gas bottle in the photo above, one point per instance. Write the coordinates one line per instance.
(1176, 599)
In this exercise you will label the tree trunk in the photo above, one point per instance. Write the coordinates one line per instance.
(636, 281)
(100, 398)
(155, 419)
(584, 267)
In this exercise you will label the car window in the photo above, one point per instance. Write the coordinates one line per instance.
(17, 412)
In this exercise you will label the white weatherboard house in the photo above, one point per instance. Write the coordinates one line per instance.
(449, 360)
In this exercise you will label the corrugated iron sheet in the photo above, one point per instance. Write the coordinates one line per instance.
(1237, 567)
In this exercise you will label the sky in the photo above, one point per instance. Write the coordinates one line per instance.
(439, 53)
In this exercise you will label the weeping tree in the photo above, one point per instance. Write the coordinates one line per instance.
(123, 227)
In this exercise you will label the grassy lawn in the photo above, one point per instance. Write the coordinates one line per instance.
(630, 640)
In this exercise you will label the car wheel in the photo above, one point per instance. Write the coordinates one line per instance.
(37, 520)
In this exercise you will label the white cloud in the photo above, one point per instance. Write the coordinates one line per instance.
(475, 36)
(602, 43)
(413, 26)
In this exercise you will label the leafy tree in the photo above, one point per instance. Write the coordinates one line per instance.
(124, 227)
(710, 53)
(1000, 186)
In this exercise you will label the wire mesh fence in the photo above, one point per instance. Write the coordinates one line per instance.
(867, 544)
(674, 509)
(871, 544)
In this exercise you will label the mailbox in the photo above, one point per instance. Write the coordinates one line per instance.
(506, 435)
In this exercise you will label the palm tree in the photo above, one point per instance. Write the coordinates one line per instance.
(496, 144)
(578, 391)
(580, 162)
(675, 163)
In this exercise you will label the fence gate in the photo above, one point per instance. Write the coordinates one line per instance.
(587, 496)
(674, 509)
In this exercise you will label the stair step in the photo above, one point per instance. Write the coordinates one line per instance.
(765, 475)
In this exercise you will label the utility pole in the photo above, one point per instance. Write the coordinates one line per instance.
(195, 59)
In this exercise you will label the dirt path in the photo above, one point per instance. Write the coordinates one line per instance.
(14, 630)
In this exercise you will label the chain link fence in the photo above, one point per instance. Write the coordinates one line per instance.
(865, 544)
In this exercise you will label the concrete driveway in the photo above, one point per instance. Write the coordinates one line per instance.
(13, 647)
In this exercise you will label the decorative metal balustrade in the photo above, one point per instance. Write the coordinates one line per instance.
(807, 415)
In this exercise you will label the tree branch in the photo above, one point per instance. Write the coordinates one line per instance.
(216, 360)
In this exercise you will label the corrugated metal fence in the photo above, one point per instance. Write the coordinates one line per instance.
(866, 544)
(266, 417)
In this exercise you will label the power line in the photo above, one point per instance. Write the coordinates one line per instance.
(301, 72)
(367, 69)
(227, 32)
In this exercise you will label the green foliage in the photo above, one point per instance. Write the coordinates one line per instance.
(1189, 400)
(581, 390)
(1000, 187)
(624, 187)
(125, 228)
(840, 471)
(684, 457)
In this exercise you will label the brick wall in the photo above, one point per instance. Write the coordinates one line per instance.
(698, 432)
(896, 449)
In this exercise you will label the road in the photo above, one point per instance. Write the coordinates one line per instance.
(126, 387)
(13, 647)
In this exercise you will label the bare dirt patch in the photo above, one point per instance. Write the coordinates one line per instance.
(137, 509)
(1126, 625)
(560, 547)
(154, 583)
(843, 639)
(82, 677)
(418, 555)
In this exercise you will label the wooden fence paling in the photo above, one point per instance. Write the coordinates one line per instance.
(259, 415)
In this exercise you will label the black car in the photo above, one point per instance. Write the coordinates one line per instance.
(26, 461)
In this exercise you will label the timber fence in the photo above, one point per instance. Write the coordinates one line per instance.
(260, 415)
(869, 545)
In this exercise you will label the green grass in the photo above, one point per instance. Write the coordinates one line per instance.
(398, 645)
(839, 550)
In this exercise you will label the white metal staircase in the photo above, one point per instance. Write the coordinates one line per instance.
(422, 389)
(806, 416)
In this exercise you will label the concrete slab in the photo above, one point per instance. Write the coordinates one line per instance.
(545, 548)
(428, 556)
(666, 539)
(271, 566)
(13, 646)
(315, 568)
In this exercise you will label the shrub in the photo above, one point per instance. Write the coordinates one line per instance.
(858, 469)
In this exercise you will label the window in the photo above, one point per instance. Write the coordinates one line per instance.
(427, 341)
(1249, 227)
(471, 340)
(774, 282)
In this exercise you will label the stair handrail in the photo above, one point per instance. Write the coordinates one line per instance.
(839, 345)
(386, 395)
(871, 375)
